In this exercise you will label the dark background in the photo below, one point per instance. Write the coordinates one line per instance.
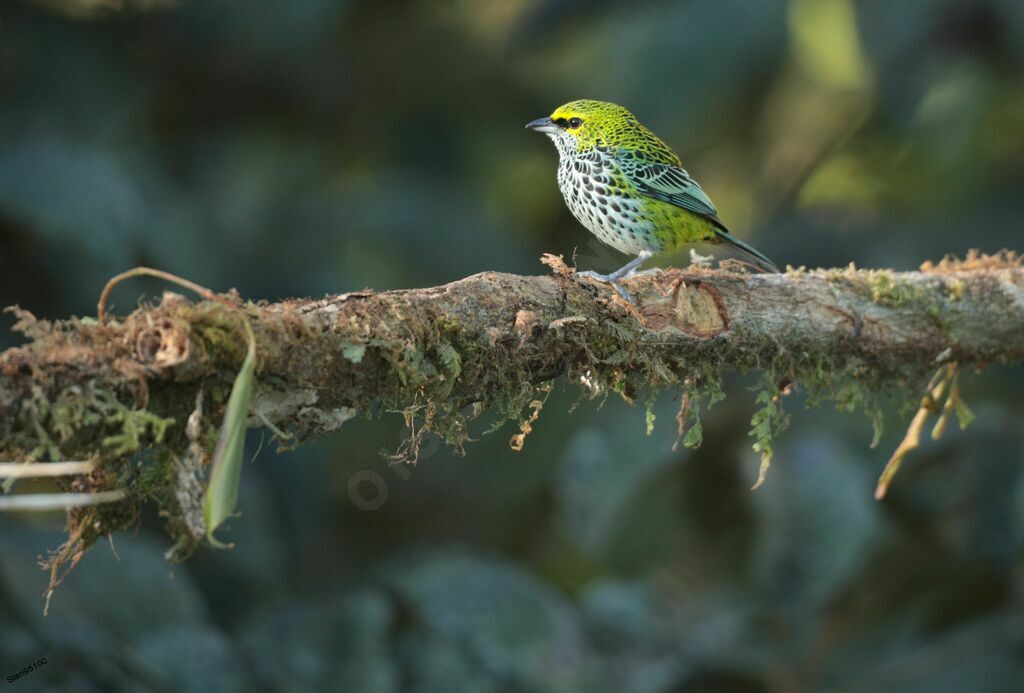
(309, 147)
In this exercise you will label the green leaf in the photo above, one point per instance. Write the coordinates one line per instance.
(222, 493)
(353, 352)
(695, 436)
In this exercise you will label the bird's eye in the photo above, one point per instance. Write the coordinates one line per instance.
(575, 123)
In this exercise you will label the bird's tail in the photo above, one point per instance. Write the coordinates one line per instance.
(756, 256)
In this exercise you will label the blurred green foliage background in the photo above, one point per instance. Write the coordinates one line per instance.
(303, 147)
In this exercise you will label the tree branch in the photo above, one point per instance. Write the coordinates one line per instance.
(488, 343)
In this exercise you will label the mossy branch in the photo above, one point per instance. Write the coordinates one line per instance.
(143, 396)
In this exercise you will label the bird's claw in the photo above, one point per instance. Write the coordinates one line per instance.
(643, 273)
(622, 292)
(590, 274)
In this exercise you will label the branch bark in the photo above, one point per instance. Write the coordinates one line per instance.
(490, 342)
(485, 338)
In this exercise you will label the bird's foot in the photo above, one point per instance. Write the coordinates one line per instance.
(612, 279)
(590, 274)
(625, 272)
(700, 261)
(644, 273)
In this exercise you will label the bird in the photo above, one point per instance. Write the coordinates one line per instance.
(628, 188)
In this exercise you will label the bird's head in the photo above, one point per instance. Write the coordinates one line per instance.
(579, 126)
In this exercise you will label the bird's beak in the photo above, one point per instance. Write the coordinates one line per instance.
(544, 125)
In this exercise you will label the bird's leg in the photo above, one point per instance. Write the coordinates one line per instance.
(624, 272)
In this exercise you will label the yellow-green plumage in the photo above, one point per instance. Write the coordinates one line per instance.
(628, 187)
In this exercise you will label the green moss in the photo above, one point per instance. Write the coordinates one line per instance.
(353, 352)
(851, 396)
(708, 394)
(956, 289)
(451, 360)
(441, 378)
(887, 290)
(767, 423)
(156, 476)
(649, 417)
(136, 427)
(222, 342)
(63, 428)
(92, 422)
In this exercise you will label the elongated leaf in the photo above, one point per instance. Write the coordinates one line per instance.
(222, 493)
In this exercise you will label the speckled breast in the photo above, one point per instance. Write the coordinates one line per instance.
(597, 196)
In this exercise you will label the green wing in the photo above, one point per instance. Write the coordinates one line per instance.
(656, 171)
(672, 184)
(669, 182)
